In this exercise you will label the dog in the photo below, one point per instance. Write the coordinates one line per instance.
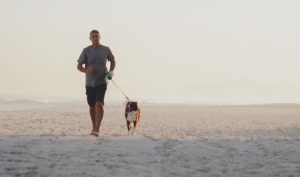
(132, 116)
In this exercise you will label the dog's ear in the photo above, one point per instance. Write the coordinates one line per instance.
(128, 107)
(133, 106)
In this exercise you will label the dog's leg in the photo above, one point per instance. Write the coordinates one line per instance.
(131, 129)
(127, 124)
(128, 127)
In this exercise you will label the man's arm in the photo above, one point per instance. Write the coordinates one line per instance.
(80, 67)
(112, 60)
(112, 64)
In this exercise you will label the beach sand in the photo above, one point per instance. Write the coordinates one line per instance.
(172, 140)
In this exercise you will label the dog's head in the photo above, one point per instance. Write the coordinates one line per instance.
(132, 106)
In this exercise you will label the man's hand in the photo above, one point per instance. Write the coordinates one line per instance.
(89, 70)
(109, 75)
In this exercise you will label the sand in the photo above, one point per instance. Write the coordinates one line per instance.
(172, 140)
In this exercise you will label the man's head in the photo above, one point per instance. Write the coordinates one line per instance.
(95, 36)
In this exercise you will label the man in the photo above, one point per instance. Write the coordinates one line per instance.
(94, 58)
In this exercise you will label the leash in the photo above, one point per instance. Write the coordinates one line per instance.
(127, 98)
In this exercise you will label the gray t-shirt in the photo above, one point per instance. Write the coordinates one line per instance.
(96, 57)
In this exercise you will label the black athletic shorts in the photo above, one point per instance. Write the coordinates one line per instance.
(95, 94)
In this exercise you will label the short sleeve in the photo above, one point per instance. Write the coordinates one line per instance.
(82, 58)
(110, 55)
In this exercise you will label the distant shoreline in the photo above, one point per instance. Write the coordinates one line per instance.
(24, 104)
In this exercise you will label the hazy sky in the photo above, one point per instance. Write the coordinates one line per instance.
(189, 50)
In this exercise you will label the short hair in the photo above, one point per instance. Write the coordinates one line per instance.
(94, 31)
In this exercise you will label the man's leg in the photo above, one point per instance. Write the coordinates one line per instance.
(99, 111)
(92, 114)
(91, 102)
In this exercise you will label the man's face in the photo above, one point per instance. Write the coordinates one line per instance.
(95, 37)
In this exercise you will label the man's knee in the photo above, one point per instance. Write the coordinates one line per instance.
(99, 105)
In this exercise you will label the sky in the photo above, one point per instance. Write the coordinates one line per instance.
(192, 51)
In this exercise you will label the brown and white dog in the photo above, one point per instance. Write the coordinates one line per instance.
(132, 116)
